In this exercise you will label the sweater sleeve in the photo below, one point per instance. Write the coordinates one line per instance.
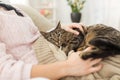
(11, 69)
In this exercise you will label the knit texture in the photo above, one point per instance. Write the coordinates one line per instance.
(43, 51)
(46, 55)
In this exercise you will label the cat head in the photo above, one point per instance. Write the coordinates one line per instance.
(65, 40)
(101, 41)
(54, 35)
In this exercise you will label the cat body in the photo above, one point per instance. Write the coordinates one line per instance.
(102, 41)
(65, 40)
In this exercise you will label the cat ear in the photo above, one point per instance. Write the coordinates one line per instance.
(58, 25)
(104, 43)
(44, 33)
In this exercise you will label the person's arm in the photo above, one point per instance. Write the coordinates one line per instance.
(74, 66)
(11, 68)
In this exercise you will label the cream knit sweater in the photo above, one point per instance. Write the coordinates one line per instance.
(46, 53)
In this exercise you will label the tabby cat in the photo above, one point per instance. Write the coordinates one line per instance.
(101, 40)
(65, 40)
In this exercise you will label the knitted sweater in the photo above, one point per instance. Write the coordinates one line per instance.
(48, 53)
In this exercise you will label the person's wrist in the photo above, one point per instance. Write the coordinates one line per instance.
(70, 69)
(67, 68)
(64, 69)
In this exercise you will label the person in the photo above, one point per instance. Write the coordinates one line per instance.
(17, 57)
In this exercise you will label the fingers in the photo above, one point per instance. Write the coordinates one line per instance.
(83, 28)
(96, 68)
(96, 61)
(79, 26)
(73, 31)
(95, 65)
(70, 27)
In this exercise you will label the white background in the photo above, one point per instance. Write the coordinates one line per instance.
(94, 11)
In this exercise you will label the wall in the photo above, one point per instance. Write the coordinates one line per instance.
(102, 11)
(6, 1)
(95, 11)
(63, 11)
(24, 2)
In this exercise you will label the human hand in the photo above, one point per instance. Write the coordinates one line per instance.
(80, 67)
(70, 27)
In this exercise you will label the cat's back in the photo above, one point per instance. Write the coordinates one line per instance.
(101, 30)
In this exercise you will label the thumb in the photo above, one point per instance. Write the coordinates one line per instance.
(96, 68)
